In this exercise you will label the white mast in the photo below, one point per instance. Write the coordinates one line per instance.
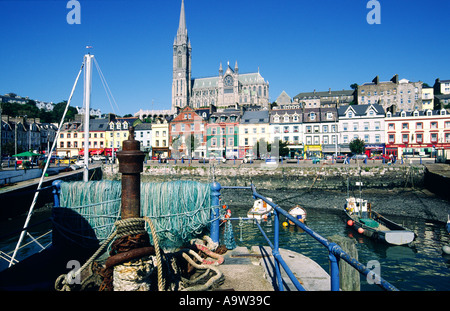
(87, 103)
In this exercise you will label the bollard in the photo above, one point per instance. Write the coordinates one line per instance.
(131, 164)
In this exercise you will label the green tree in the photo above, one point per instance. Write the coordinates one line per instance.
(354, 86)
(58, 111)
(357, 145)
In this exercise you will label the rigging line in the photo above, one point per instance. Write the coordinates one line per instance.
(103, 83)
(36, 194)
(107, 86)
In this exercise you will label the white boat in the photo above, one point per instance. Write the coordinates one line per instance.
(260, 210)
(299, 213)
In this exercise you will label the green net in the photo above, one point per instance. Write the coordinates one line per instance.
(179, 210)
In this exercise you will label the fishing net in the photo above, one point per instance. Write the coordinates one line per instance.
(179, 210)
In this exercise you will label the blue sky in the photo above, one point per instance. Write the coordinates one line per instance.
(298, 45)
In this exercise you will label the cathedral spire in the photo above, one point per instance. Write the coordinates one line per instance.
(182, 25)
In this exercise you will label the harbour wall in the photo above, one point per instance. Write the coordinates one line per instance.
(286, 177)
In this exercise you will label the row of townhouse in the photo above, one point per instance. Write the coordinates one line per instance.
(20, 134)
(105, 135)
(308, 132)
(236, 132)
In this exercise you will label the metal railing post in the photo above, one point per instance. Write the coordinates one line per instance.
(56, 191)
(275, 251)
(215, 223)
(334, 267)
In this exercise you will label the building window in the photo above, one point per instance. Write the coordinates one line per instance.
(419, 138)
(405, 138)
(434, 137)
(308, 140)
(345, 127)
(316, 140)
(345, 138)
(447, 137)
(391, 138)
(377, 138)
(434, 125)
(419, 126)
(308, 129)
(405, 126)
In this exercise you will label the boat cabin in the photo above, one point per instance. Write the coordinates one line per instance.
(357, 206)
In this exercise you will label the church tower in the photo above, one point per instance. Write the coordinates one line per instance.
(181, 81)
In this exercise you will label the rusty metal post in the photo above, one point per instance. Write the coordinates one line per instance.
(131, 163)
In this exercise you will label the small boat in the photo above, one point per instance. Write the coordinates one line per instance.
(299, 213)
(362, 219)
(260, 210)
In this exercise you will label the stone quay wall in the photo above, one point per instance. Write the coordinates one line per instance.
(319, 176)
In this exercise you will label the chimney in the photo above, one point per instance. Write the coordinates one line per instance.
(395, 79)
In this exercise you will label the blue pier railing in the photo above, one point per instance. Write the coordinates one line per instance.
(335, 252)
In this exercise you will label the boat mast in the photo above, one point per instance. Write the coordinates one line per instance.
(87, 103)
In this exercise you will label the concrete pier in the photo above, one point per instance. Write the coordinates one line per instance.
(253, 270)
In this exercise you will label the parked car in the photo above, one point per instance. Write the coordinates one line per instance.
(379, 157)
(340, 159)
(359, 157)
(248, 158)
(98, 158)
(315, 160)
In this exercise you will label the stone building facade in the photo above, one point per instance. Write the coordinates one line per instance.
(394, 95)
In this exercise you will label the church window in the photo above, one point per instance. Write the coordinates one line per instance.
(259, 91)
(179, 59)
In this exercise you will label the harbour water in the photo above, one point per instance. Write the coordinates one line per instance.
(422, 267)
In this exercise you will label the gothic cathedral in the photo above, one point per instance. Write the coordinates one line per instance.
(226, 89)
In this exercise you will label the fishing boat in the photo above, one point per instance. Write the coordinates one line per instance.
(260, 210)
(361, 218)
(299, 213)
